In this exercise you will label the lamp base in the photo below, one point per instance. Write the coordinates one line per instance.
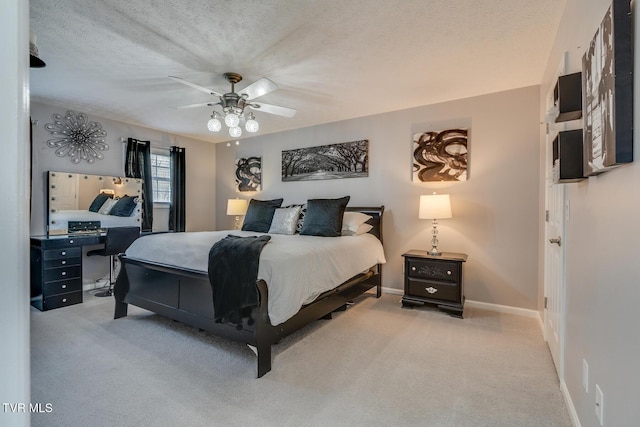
(434, 252)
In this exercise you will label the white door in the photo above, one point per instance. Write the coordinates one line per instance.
(554, 284)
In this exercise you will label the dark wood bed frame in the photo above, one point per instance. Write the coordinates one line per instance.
(185, 296)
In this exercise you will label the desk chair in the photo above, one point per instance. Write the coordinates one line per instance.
(117, 240)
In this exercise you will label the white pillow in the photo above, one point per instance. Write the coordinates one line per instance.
(362, 229)
(107, 206)
(285, 220)
(352, 220)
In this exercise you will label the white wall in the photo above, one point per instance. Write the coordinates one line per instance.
(14, 222)
(602, 267)
(495, 212)
(200, 174)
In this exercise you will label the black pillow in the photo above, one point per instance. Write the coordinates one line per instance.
(324, 217)
(99, 201)
(260, 214)
(124, 206)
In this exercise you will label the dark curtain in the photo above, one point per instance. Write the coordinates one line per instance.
(137, 164)
(177, 210)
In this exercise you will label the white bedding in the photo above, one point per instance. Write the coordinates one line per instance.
(296, 268)
(58, 221)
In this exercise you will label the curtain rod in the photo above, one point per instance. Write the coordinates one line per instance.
(124, 140)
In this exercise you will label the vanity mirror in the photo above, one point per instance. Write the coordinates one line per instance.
(81, 203)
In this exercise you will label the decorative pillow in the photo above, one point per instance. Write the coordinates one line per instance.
(352, 220)
(107, 206)
(99, 201)
(362, 229)
(324, 217)
(285, 220)
(124, 206)
(260, 214)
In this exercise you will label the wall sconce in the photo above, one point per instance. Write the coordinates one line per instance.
(435, 207)
(237, 207)
(117, 180)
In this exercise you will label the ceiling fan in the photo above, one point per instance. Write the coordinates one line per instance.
(233, 103)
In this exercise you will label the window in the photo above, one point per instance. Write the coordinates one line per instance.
(160, 174)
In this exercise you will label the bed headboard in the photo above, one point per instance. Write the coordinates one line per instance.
(376, 218)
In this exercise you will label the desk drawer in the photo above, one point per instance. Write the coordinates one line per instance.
(62, 273)
(435, 290)
(61, 300)
(62, 262)
(62, 287)
(430, 269)
(61, 253)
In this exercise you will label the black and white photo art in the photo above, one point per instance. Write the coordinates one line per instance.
(345, 160)
(607, 86)
(440, 155)
(249, 174)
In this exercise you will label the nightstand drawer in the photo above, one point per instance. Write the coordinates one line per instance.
(430, 269)
(61, 300)
(61, 262)
(434, 291)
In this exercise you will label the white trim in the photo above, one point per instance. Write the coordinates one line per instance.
(573, 415)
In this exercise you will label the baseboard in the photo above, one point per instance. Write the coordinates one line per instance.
(392, 291)
(573, 415)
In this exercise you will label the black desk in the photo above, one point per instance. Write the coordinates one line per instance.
(56, 269)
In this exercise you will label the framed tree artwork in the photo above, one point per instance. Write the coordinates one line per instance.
(333, 161)
(440, 155)
(607, 86)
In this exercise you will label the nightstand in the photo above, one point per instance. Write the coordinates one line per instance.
(438, 280)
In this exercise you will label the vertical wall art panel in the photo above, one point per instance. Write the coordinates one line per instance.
(345, 160)
(440, 155)
(607, 85)
(249, 174)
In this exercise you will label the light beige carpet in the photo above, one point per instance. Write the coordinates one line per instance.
(374, 365)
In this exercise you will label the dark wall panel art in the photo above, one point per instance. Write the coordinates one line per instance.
(249, 174)
(440, 155)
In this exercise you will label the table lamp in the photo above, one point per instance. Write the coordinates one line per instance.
(237, 207)
(435, 206)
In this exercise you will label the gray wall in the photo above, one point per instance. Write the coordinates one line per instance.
(495, 213)
(602, 267)
(14, 222)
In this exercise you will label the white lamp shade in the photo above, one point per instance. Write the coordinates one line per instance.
(236, 207)
(435, 206)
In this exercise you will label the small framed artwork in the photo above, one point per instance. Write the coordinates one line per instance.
(440, 155)
(607, 86)
(333, 161)
(249, 174)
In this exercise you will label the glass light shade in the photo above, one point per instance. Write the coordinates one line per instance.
(214, 124)
(236, 207)
(235, 132)
(232, 120)
(435, 206)
(251, 125)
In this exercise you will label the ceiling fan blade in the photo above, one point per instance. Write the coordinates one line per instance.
(204, 104)
(258, 88)
(195, 86)
(273, 109)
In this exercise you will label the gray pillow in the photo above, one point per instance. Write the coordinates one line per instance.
(324, 217)
(260, 214)
(99, 201)
(285, 220)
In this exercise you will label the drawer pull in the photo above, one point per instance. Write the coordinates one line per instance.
(449, 272)
(431, 290)
(71, 241)
(64, 286)
(413, 269)
(64, 273)
(64, 300)
(63, 262)
(63, 253)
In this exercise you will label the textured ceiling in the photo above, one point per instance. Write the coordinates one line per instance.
(332, 59)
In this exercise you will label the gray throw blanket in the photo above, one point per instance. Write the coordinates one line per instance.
(233, 272)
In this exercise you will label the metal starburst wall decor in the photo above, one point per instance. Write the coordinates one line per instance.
(76, 137)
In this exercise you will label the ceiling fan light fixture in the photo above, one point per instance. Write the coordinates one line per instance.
(235, 131)
(251, 124)
(232, 120)
(214, 124)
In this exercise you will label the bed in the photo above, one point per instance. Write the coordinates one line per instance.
(178, 287)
